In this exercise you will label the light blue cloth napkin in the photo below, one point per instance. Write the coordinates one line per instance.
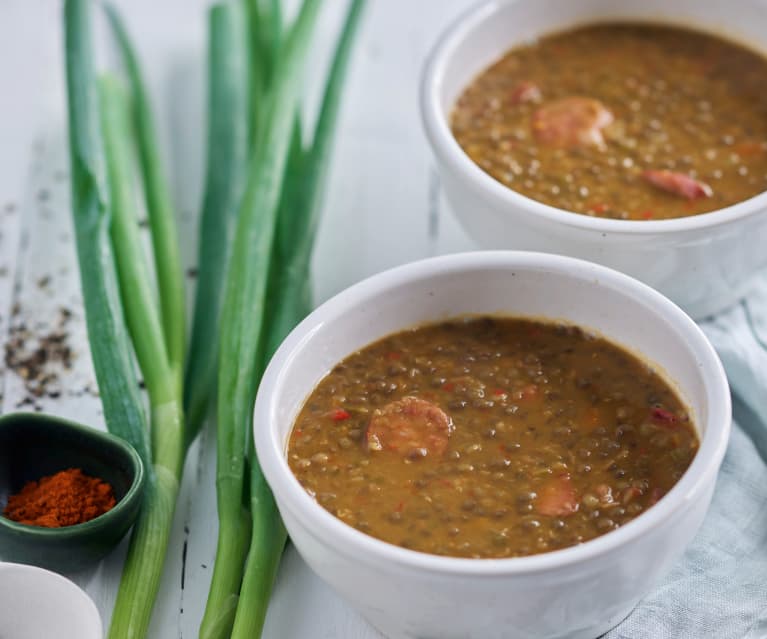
(719, 588)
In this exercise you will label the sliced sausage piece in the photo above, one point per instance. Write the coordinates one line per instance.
(570, 122)
(557, 497)
(411, 427)
(678, 183)
(525, 92)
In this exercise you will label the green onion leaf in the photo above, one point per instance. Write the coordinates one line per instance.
(162, 222)
(228, 125)
(141, 314)
(146, 554)
(291, 299)
(244, 302)
(225, 179)
(265, 39)
(303, 195)
(111, 350)
(109, 341)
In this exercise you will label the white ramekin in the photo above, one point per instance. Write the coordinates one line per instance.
(704, 263)
(576, 592)
(37, 604)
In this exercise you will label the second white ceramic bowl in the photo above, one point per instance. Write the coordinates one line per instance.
(704, 263)
(578, 592)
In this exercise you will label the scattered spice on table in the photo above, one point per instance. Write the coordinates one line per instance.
(67, 498)
(38, 358)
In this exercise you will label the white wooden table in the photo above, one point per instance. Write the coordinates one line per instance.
(384, 207)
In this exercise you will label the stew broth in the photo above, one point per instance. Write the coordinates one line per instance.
(490, 437)
(626, 121)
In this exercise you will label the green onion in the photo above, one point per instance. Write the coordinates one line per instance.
(143, 567)
(108, 336)
(283, 298)
(228, 127)
(226, 173)
(266, 531)
(302, 198)
(141, 314)
(270, 228)
(159, 206)
(246, 283)
(296, 229)
(100, 135)
(266, 32)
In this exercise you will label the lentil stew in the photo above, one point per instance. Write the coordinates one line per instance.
(490, 437)
(625, 121)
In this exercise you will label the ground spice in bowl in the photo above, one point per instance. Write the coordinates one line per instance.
(67, 498)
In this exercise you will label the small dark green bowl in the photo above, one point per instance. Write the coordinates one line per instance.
(32, 446)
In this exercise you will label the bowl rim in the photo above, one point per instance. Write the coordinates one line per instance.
(351, 542)
(447, 149)
(105, 520)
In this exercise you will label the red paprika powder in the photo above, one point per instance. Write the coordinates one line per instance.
(69, 497)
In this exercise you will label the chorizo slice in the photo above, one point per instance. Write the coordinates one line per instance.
(676, 183)
(571, 122)
(411, 427)
(557, 497)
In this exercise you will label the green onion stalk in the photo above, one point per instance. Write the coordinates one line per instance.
(266, 33)
(124, 318)
(143, 566)
(244, 306)
(159, 206)
(228, 148)
(110, 344)
(290, 297)
(226, 173)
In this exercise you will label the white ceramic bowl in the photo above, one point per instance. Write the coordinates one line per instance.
(704, 263)
(37, 604)
(576, 592)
